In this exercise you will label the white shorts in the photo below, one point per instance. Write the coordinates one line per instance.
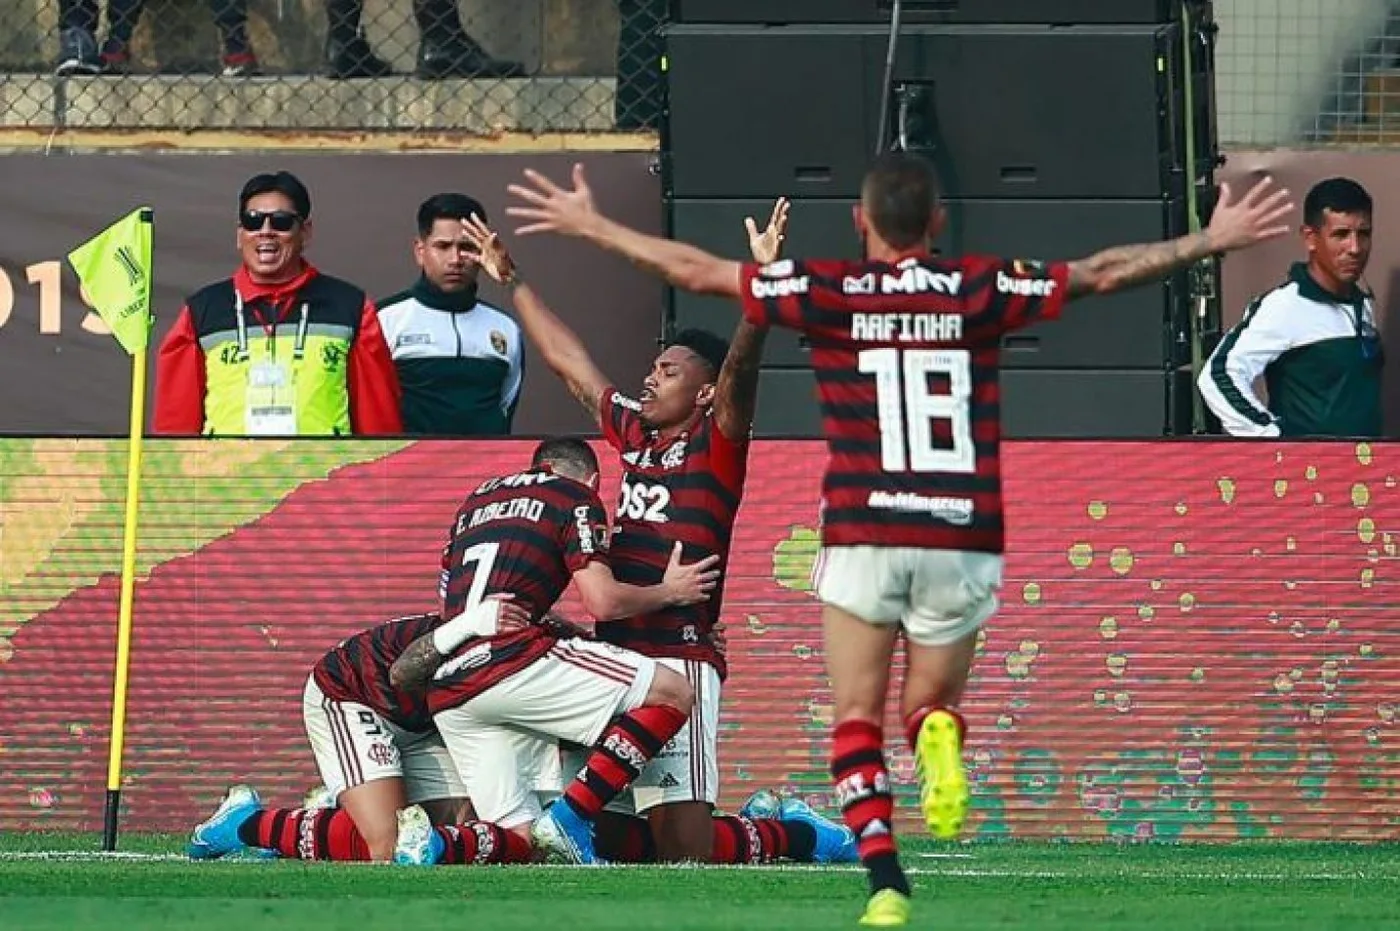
(687, 768)
(353, 745)
(937, 596)
(503, 740)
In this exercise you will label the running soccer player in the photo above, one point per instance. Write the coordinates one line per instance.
(905, 347)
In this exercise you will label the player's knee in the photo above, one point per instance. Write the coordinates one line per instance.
(669, 687)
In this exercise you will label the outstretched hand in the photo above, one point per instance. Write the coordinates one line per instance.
(492, 254)
(1261, 214)
(551, 208)
(768, 245)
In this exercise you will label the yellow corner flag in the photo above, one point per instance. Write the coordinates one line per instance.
(114, 268)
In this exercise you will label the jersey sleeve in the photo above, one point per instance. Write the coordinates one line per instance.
(585, 534)
(790, 293)
(621, 418)
(1227, 379)
(1021, 292)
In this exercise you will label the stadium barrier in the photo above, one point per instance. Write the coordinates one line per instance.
(1196, 643)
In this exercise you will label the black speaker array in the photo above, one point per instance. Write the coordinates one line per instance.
(1055, 133)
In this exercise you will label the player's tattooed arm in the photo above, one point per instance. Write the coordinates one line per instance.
(1124, 267)
(1259, 215)
(494, 614)
(414, 668)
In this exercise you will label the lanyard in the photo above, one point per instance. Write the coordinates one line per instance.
(303, 328)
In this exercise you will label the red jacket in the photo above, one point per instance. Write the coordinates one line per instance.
(373, 383)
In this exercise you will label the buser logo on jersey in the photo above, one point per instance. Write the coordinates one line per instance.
(585, 530)
(1025, 287)
(783, 287)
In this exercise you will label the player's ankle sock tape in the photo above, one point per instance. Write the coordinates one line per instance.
(886, 873)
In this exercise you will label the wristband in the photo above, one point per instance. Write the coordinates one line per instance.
(477, 621)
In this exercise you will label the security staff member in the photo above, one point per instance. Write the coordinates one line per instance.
(1313, 338)
(279, 349)
(460, 361)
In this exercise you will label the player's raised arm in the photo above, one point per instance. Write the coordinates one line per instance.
(557, 344)
(550, 208)
(736, 391)
(1260, 215)
(683, 584)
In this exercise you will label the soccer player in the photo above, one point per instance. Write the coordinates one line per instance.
(374, 740)
(377, 752)
(503, 698)
(684, 446)
(905, 348)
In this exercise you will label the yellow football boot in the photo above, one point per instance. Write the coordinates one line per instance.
(942, 782)
(887, 908)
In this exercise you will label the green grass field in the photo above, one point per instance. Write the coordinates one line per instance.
(50, 881)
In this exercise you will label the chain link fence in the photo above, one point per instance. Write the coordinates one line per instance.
(1288, 71)
(463, 66)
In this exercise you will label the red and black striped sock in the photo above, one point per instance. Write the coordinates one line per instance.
(867, 806)
(306, 834)
(482, 842)
(914, 721)
(622, 752)
(625, 840)
(761, 840)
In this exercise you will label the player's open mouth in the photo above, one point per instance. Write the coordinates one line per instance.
(647, 395)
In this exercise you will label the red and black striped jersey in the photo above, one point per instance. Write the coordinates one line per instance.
(906, 361)
(687, 488)
(525, 535)
(357, 670)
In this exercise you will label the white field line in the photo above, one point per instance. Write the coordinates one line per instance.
(950, 871)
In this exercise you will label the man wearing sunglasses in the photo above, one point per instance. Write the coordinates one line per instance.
(278, 349)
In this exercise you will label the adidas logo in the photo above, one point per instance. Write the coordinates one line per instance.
(875, 829)
(668, 781)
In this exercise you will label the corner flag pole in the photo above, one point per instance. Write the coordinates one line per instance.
(128, 591)
(115, 269)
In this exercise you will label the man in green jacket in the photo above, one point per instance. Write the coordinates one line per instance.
(1313, 338)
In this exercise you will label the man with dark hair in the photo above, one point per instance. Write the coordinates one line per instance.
(460, 361)
(1313, 338)
(905, 347)
(514, 546)
(278, 349)
(501, 699)
(684, 445)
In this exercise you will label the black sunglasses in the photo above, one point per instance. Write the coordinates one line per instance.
(283, 221)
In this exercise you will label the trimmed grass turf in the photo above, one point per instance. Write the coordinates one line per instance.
(1048, 887)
